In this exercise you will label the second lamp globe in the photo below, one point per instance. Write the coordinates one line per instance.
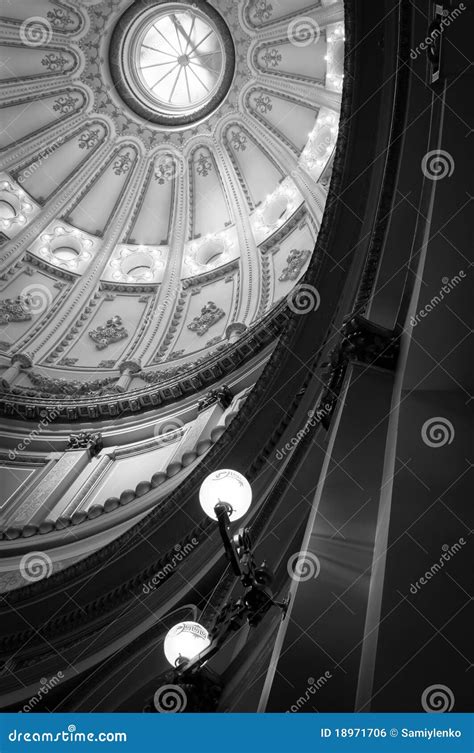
(226, 487)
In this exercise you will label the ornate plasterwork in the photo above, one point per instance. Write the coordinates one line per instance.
(179, 96)
(276, 210)
(295, 261)
(85, 441)
(321, 143)
(111, 332)
(53, 247)
(74, 97)
(335, 56)
(139, 264)
(210, 315)
(22, 206)
(208, 253)
(107, 101)
(259, 14)
(38, 30)
(268, 59)
(15, 310)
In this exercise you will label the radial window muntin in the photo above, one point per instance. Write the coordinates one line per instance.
(172, 63)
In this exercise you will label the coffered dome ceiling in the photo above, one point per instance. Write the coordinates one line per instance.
(164, 170)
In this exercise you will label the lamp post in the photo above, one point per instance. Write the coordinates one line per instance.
(225, 496)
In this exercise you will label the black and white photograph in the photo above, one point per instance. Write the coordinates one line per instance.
(236, 366)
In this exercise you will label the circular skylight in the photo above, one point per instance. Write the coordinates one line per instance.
(174, 62)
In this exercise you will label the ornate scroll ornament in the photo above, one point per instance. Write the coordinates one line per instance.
(55, 62)
(165, 169)
(60, 19)
(89, 139)
(263, 104)
(86, 441)
(66, 104)
(261, 9)
(110, 332)
(296, 261)
(272, 58)
(14, 310)
(238, 140)
(203, 165)
(210, 315)
(122, 164)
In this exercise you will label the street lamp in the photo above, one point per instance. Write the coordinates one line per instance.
(185, 641)
(225, 496)
(228, 490)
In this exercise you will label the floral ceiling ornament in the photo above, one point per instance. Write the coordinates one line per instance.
(203, 165)
(55, 62)
(14, 310)
(263, 104)
(111, 332)
(296, 261)
(272, 58)
(60, 19)
(66, 104)
(261, 9)
(123, 163)
(165, 169)
(89, 138)
(210, 315)
(238, 140)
